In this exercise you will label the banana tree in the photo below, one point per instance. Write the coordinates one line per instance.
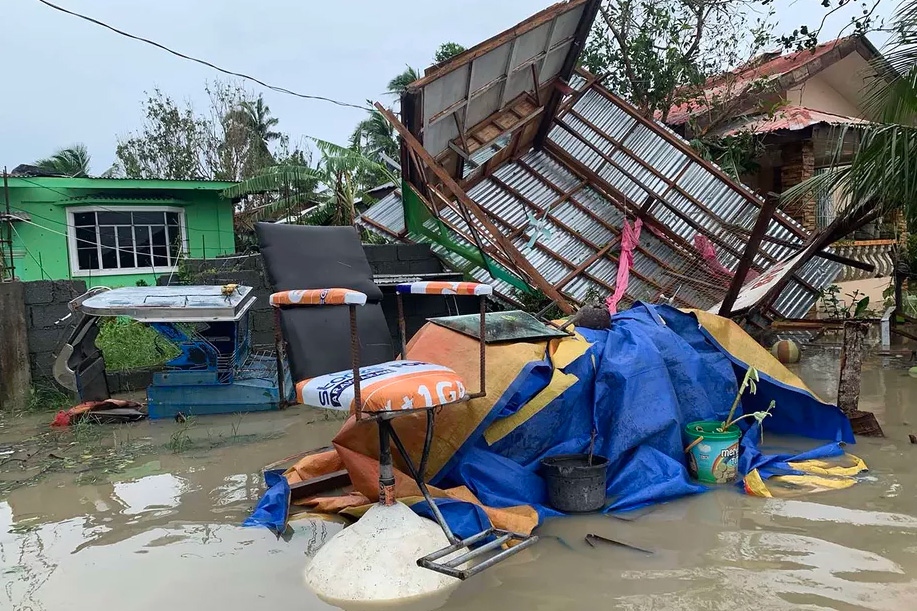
(326, 194)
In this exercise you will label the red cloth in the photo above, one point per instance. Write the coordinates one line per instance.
(629, 239)
(72, 415)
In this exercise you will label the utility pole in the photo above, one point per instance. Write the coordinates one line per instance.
(11, 268)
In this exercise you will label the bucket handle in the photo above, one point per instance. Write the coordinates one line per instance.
(693, 443)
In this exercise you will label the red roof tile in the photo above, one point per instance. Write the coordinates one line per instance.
(745, 77)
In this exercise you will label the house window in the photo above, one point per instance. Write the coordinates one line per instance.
(120, 240)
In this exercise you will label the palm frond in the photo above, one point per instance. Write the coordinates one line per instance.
(276, 178)
(72, 161)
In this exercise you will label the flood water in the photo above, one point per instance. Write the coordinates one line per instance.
(162, 532)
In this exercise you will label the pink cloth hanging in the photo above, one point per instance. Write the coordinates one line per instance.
(629, 238)
(708, 252)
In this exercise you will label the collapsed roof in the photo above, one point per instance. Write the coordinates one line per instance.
(523, 172)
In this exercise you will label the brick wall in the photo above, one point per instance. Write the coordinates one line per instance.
(798, 164)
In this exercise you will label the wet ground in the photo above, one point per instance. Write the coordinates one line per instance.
(147, 517)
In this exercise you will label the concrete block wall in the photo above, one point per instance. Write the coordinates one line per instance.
(45, 304)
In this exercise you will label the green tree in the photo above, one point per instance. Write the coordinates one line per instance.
(399, 84)
(881, 175)
(326, 194)
(374, 137)
(71, 161)
(447, 51)
(233, 139)
(254, 119)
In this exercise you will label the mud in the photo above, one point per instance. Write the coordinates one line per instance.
(155, 526)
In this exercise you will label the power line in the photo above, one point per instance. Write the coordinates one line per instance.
(203, 62)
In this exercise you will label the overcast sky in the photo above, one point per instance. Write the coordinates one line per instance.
(70, 81)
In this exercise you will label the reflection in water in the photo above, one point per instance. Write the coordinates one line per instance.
(165, 536)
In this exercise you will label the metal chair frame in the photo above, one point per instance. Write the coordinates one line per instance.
(488, 540)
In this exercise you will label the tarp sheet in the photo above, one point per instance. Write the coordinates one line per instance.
(637, 385)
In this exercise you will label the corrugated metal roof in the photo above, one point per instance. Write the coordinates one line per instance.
(639, 165)
(789, 118)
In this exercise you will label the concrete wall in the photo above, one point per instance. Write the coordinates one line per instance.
(46, 303)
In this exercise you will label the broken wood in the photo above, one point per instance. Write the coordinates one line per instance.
(751, 249)
(472, 207)
(848, 387)
(319, 485)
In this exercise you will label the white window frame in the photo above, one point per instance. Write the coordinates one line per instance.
(121, 271)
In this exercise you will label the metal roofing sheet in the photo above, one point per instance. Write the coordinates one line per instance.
(561, 220)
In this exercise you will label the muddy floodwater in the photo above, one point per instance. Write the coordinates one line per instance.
(157, 528)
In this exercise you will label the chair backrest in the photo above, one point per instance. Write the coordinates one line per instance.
(305, 257)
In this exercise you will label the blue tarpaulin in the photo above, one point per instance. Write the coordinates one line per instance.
(638, 384)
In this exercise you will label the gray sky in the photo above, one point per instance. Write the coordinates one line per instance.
(72, 81)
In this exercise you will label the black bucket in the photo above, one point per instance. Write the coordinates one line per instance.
(575, 486)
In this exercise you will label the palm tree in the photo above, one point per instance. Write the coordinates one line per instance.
(882, 174)
(72, 161)
(256, 120)
(374, 136)
(399, 84)
(324, 195)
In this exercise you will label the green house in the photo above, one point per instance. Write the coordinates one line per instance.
(113, 232)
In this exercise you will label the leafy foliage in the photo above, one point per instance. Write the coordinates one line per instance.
(447, 51)
(326, 194)
(234, 139)
(72, 161)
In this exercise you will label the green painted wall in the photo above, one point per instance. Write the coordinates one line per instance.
(40, 248)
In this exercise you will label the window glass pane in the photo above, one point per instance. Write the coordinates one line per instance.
(126, 247)
(114, 218)
(88, 258)
(160, 250)
(172, 218)
(149, 218)
(81, 219)
(109, 258)
(142, 243)
(107, 236)
(85, 237)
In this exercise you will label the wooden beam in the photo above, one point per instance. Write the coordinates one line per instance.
(566, 71)
(751, 249)
(319, 485)
(518, 259)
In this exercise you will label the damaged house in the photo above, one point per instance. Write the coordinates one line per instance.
(525, 172)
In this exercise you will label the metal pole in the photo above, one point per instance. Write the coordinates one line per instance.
(9, 227)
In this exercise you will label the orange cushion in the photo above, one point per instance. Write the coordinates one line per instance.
(314, 297)
(388, 387)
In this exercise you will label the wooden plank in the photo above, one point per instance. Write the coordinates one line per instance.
(751, 249)
(319, 485)
(518, 259)
(566, 71)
